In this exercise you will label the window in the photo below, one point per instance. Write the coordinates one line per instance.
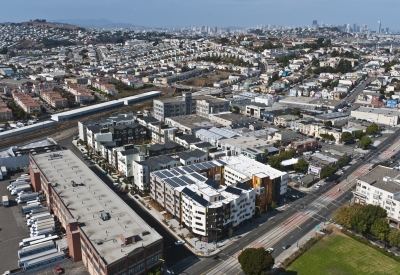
(139, 267)
(150, 261)
(121, 266)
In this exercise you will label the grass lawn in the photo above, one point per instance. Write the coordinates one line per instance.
(338, 254)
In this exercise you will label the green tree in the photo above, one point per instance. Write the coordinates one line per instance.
(380, 164)
(255, 261)
(275, 162)
(301, 166)
(273, 205)
(359, 134)
(266, 152)
(380, 229)
(364, 220)
(372, 129)
(236, 109)
(344, 214)
(346, 137)
(394, 238)
(296, 112)
(365, 142)
(327, 172)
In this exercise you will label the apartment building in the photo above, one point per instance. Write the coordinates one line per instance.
(26, 102)
(269, 183)
(203, 106)
(201, 204)
(53, 99)
(381, 186)
(120, 119)
(172, 107)
(102, 230)
(5, 113)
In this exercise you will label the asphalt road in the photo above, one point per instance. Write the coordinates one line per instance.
(175, 253)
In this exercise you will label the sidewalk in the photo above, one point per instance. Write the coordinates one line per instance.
(200, 248)
(286, 253)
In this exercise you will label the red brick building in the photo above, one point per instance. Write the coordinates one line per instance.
(102, 230)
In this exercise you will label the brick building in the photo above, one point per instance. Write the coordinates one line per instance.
(102, 231)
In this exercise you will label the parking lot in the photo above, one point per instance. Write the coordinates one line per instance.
(12, 228)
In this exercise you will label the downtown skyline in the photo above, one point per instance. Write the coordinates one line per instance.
(219, 13)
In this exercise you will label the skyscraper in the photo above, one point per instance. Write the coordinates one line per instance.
(315, 24)
(378, 31)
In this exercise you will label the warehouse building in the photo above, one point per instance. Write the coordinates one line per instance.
(102, 230)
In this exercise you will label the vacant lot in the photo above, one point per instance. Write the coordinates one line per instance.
(207, 79)
(338, 254)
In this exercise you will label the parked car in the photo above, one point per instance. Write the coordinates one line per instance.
(286, 246)
(179, 242)
(270, 250)
(58, 270)
(318, 186)
(336, 182)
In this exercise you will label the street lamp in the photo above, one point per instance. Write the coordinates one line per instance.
(166, 268)
(299, 229)
(326, 208)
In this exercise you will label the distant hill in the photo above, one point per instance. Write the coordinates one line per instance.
(50, 24)
(96, 23)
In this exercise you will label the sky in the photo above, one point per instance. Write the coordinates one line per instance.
(215, 13)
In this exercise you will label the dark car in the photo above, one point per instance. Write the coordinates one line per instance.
(336, 182)
(286, 246)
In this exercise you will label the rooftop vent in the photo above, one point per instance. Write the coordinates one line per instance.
(104, 215)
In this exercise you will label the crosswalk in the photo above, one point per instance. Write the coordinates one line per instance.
(311, 211)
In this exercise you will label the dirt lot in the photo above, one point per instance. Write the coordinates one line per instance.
(208, 79)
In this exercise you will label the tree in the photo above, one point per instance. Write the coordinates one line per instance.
(359, 134)
(365, 142)
(273, 205)
(328, 123)
(327, 172)
(296, 112)
(372, 129)
(236, 109)
(344, 214)
(380, 229)
(266, 152)
(301, 166)
(255, 261)
(346, 137)
(394, 238)
(380, 164)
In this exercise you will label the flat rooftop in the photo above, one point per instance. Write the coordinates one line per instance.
(245, 142)
(250, 167)
(85, 203)
(193, 121)
(385, 178)
(385, 111)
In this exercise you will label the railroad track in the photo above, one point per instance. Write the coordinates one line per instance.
(59, 127)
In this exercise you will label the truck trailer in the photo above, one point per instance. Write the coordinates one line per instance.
(5, 201)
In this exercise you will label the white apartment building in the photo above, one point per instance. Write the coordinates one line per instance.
(381, 186)
(199, 203)
(270, 184)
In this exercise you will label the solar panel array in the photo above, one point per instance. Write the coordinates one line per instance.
(233, 190)
(198, 177)
(195, 197)
(213, 184)
(243, 186)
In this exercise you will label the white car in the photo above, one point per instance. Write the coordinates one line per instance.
(270, 250)
(318, 186)
(179, 242)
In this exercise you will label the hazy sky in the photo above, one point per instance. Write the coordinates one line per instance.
(220, 13)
